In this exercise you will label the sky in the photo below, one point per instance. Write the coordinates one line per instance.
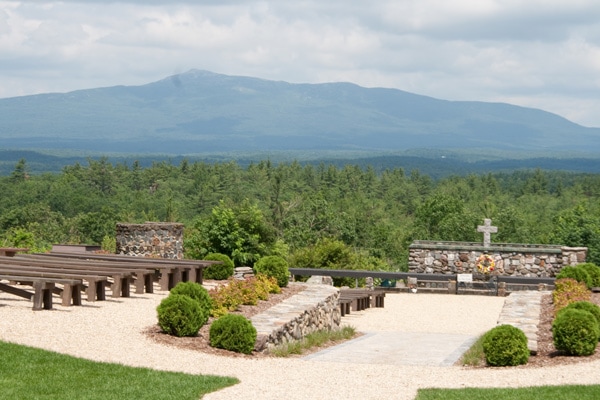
(536, 53)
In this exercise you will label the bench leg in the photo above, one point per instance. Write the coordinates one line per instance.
(164, 279)
(140, 283)
(76, 295)
(67, 294)
(116, 286)
(100, 290)
(42, 296)
(177, 277)
(91, 290)
(125, 286)
(149, 283)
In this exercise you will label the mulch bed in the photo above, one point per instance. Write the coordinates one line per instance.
(201, 342)
(547, 354)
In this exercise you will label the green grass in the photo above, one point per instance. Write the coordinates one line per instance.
(312, 340)
(474, 357)
(528, 393)
(29, 373)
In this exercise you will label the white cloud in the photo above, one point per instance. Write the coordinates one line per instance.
(540, 53)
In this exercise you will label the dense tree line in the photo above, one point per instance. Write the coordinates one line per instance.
(334, 216)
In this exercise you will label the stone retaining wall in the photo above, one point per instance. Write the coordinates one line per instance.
(313, 309)
(152, 239)
(511, 259)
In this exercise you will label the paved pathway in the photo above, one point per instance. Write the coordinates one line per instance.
(429, 338)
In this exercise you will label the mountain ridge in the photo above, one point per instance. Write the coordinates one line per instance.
(201, 111)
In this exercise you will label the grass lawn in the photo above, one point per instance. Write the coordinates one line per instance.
(528, 393)
(29, 373)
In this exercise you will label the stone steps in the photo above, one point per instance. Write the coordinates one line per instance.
(522, 310)
(314, 308)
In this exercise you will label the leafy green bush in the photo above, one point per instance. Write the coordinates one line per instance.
(576, 332)
(196, 292)
(180, 315)
(218, 271)
(274, 266)
(567, 291)
(579, 274)
(505, 345)
(233, 332)
(593, 271)
(585, 306)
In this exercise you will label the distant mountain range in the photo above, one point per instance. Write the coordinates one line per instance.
(202, 112)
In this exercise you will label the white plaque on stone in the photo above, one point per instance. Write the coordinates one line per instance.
(467, 278)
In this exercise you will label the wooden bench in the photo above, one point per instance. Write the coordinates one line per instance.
(95, 289)
(360, 299)
(172, 271)
(42, 289)
(123, 274)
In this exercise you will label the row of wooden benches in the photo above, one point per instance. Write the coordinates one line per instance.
(71, 274)
(360, 299)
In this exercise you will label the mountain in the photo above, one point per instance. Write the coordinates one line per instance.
(200, 111)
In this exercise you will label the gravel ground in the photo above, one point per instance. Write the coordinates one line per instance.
(113, 331)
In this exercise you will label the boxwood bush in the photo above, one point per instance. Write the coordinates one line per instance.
(233, 332)
(575, 332)
(579, 274)
(180, 315)
(273, 266)
(585, 306)
(505, 345)
(219, 271)
(196, 292)
(593, 271)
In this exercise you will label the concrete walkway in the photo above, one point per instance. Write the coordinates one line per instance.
(428, 329)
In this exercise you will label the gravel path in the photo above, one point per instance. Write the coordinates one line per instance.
(112, 331)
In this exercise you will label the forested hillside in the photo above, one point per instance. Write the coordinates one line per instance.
(333, 216)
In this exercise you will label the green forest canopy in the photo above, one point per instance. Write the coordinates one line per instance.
(349, 216)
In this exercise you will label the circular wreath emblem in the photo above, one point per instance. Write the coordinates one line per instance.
(486, 264)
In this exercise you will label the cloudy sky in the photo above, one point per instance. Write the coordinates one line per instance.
(535, 53)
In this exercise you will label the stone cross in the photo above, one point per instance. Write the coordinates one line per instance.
(487, 229)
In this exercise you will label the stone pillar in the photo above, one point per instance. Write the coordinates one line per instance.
(152, 239)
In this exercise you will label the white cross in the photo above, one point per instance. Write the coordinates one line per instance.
(487, 229)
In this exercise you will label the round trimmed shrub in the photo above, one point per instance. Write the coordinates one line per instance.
(575, 332)
(579, 274)
(218, 271)
(273, 266)
(593, 271)
(588, 306)
(196, 292)
(505, 345)
(180, 315)
(233, 332)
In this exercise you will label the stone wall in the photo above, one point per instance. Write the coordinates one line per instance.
(511, 259)
(152, 239)
(313, 309)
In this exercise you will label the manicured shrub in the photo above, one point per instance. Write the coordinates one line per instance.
(593, 271)
(180, 315)
(575, 332)
(274, 266)
(585, 306)
(233, 332)
(579, 274)
(196, 292)
(567, 291)
(218, 271)
(505, 345)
